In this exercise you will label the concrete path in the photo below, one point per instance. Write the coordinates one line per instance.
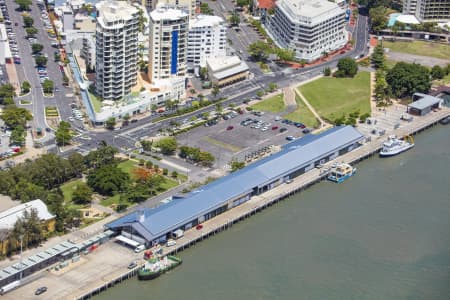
(289, 100)
(13, 77)
(411, 58)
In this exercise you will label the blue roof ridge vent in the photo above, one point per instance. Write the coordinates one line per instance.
(294, 147)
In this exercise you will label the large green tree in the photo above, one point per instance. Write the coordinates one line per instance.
(82, 194)
(14, 116)
(234, 19)
(31, 31)
(18, 136)
(110, 123)
(406, 79)
(378, 18)
(167, 145)
(259, 50)
(76, 161)
(7, 92)
(108, 180)
(437, 72)
(28, 21)
(347, 67)
(104, 155)
(37, 48)
(63, 134)
(378, 58)
(285, 54)
(24, 4)
(28, 229)
(215, 90)
(25, 87)
(382, 91)
(41, 61)
(47, 86)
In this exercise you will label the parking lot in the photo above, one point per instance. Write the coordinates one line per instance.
(231, 140)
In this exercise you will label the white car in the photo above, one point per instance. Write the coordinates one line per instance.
(265, 128)
(139, 248)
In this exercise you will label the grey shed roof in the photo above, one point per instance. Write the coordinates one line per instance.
(425, 101)
(37, 258)
(302, 152)
(242, 67)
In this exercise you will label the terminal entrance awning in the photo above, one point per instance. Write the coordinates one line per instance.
(127, 241)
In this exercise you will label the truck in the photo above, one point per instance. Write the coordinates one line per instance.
(9, 287)
(177, 234)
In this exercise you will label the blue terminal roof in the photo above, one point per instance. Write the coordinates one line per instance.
(302, 152)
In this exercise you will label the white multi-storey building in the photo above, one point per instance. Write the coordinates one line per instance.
(428, 10)
(116, 49)
(207, 39)
(186, 5)
(409, 7)
(309, 27)
(168, 43)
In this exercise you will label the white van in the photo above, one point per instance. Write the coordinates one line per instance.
(139, 248)
(171, 243)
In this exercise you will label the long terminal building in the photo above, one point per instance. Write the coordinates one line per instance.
(151, 226)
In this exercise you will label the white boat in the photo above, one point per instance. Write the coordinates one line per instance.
(341, 173)
(394, 146)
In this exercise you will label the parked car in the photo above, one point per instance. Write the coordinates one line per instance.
(290, 138)
(230, 127)
(283, 129)
(132, 265)
(40, 290)
(139, 248)
(274, 127)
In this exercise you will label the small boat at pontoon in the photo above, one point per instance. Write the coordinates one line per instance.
(341, 172)
(155, 266)
(394, 146)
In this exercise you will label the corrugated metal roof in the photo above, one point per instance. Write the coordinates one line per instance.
(242, 67)
(37, 258)
(424, 101)
(294, 155)
(9, 217)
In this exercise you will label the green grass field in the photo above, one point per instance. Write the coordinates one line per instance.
(445, 80)
(302, 114)
(169, 183)
(273, 104)
(420, 48)
(127, 166)
(67, 190)
(331, 97)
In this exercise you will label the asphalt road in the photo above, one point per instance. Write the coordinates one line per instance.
(27, 70)
(125, 138)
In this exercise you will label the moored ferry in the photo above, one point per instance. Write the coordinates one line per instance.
(155, 266)
(341, 172)
(394, 146)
